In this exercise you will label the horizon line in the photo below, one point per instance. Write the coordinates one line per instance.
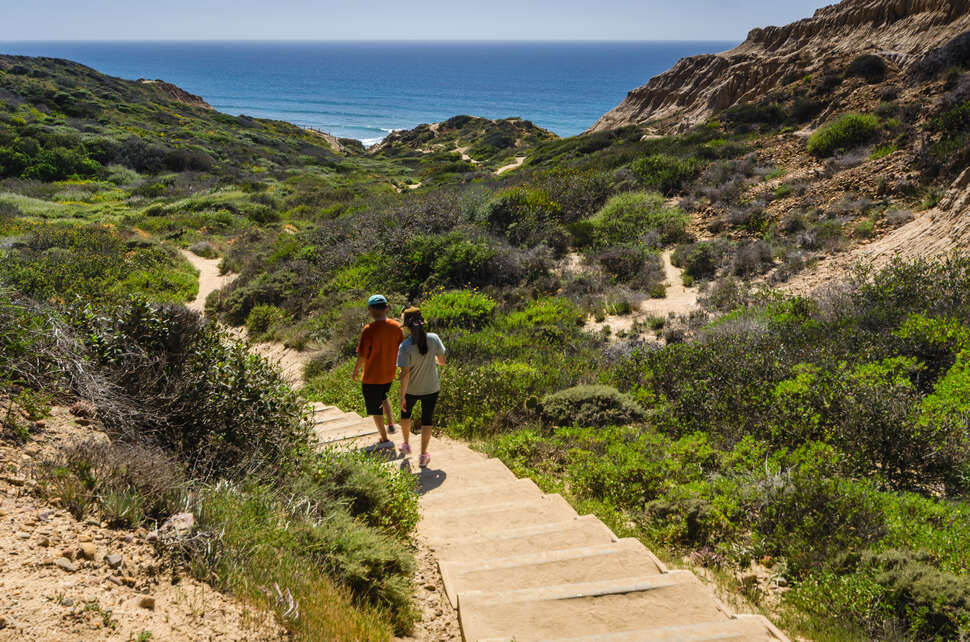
(353, 40)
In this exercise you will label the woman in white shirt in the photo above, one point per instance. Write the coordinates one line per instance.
(418, 358)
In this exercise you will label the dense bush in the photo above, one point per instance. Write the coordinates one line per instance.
(699, 260)
(590, 406)
(191, 390)
(664, 173)
(626, 218)
(263, 318)
(847, 131)
(458, 308)
(63, 262)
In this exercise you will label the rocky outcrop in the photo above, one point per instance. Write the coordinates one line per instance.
(176, 93)
(901, 31)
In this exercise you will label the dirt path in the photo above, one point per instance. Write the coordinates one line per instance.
(679, 301)
(291, 362)
(210, 279)
(513, 165)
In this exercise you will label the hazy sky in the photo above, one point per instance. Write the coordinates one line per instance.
(393, 19)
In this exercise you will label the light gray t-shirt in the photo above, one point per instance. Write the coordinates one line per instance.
(423, 378)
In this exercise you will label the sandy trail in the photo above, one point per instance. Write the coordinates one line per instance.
(513, 165)
(290, 362)
(680, 301)
(210, 279)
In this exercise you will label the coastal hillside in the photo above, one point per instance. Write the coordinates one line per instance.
(904, 33)
(468, 139)
(632, 318)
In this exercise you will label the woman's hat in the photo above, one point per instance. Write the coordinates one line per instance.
(413, 316)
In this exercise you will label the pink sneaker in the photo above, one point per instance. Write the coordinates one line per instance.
(424, 460)
(405, 449)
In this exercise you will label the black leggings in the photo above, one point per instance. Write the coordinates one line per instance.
(428, 402)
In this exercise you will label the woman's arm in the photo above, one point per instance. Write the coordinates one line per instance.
(405, 376)
(440, 359)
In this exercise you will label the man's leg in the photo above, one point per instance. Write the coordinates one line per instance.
(387, 414)
(379, 422)
(372, 399)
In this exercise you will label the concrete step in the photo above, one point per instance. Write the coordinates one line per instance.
(501, 493)
(442, 476)
(332, 423)
(595, 608)
(743, 628)
(342, 433)
(499, 517)
(321, 412)
(585, 530)
(624, 558)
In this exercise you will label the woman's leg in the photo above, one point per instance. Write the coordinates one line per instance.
(425, 437)
(409, 402)
(428, 403)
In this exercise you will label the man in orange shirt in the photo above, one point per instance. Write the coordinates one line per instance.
(377, 355)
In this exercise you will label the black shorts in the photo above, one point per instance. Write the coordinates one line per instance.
(374, 396)
(428, 402)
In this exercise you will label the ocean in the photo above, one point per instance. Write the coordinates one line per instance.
(366, 89)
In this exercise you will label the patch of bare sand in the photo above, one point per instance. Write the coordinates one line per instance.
(49, 590)
(680, 300)
(210, 279)
(513, 165)
(933, 233)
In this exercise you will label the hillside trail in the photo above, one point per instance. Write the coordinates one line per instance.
(513, 165)
(679, 300)
(499, 559)
(291, 362)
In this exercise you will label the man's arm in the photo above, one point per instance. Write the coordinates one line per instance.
(357, 366)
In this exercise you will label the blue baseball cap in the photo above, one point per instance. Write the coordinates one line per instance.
(377, 301)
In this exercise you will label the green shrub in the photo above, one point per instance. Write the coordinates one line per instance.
(191, 390)
(699, 260)
(263, 318)
(458, 308)
(847, 131)
(666, 174)
(628, 217)
(933, 603)
(590, 406)
(94, 262)
(812, 515)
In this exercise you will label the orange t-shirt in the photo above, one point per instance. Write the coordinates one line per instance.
(378, 345)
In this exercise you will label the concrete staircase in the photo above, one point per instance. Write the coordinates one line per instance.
(521, 565)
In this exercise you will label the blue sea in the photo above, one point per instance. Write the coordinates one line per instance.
(366, 89)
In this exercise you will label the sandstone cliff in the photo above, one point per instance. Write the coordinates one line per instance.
(177, 93)
(900, 31)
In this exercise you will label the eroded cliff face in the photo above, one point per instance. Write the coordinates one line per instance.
(900, 31)
(176, 93)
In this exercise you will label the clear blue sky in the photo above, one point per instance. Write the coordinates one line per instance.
(393, 19)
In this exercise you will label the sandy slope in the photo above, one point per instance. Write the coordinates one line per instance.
(90, 600)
